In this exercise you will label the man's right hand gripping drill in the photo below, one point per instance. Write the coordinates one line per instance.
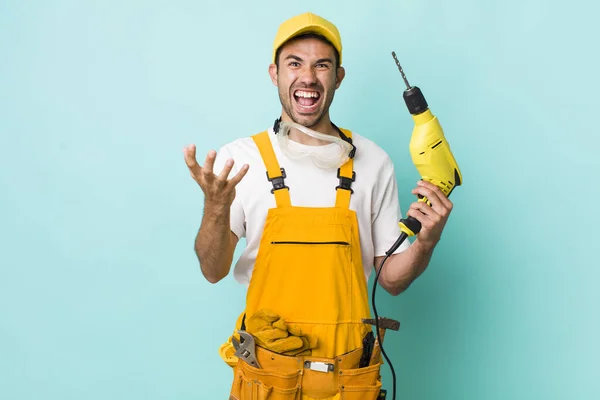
(215, 243)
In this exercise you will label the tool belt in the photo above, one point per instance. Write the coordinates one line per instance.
(288, 377)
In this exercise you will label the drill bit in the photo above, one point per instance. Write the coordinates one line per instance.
(401, 71)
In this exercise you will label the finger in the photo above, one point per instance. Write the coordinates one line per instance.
(425, 220)
(418, 215)
(429, 212)
(209, 162)
(423, 208)
(432, 195)
(241, 173)
(443, 199)
(437, 200)
(189, 153)
(225, 172)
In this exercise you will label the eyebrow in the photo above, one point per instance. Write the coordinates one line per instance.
(320, 60)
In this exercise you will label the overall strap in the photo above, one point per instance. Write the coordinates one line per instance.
(346, 176)
(275, 174)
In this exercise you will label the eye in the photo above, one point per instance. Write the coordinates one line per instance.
(323, 65)
(294, 64)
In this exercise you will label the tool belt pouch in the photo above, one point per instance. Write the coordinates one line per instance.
(287, 378)
(250, 383)
(360, 383)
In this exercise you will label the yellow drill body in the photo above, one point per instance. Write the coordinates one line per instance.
(431, 153)
(429, 150)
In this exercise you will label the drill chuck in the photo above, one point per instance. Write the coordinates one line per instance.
(415, 101)
(413, 97)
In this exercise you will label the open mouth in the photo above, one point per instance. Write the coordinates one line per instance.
(307, 100)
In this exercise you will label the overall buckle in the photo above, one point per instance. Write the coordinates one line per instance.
(346, 183)
(278, 181)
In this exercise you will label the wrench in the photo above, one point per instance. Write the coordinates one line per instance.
(246, 349)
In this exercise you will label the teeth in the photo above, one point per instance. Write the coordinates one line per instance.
(305, 94)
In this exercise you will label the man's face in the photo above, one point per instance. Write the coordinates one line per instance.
(307, 78)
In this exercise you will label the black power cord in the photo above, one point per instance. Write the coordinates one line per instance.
(388, 253)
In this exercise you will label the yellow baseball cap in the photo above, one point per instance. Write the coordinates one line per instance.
(305, 23)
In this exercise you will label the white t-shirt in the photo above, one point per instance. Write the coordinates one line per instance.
(375, 197)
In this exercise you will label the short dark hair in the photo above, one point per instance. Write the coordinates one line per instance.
(310, 35)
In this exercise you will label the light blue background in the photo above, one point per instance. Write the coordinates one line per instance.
(100, 292)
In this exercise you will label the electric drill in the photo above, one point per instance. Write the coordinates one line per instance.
(435, 163)
(430, 152)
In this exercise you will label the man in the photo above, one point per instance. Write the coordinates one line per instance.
(317, 218)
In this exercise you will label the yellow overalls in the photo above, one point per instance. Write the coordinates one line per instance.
(309, 272)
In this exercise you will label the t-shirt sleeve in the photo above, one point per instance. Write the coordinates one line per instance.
(237, 216)
(386, 212)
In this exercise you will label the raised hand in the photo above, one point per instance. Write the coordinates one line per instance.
(218, 191)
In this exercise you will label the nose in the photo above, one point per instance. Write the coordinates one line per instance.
(308, 75)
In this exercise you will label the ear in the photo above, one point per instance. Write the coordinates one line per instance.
(273, 73)
(341, 73)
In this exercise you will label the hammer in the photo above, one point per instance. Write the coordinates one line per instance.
(384, 323)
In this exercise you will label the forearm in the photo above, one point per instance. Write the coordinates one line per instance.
(400, 270)
(215, 243)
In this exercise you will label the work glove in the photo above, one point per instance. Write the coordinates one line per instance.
(272, 333)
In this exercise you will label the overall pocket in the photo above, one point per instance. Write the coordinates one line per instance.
(252, 383)
(295, 264)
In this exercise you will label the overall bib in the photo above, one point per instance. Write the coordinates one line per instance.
(309, 272)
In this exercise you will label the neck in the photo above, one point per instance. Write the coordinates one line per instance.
(324, 126)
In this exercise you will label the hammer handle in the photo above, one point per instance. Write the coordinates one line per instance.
(376, 356)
